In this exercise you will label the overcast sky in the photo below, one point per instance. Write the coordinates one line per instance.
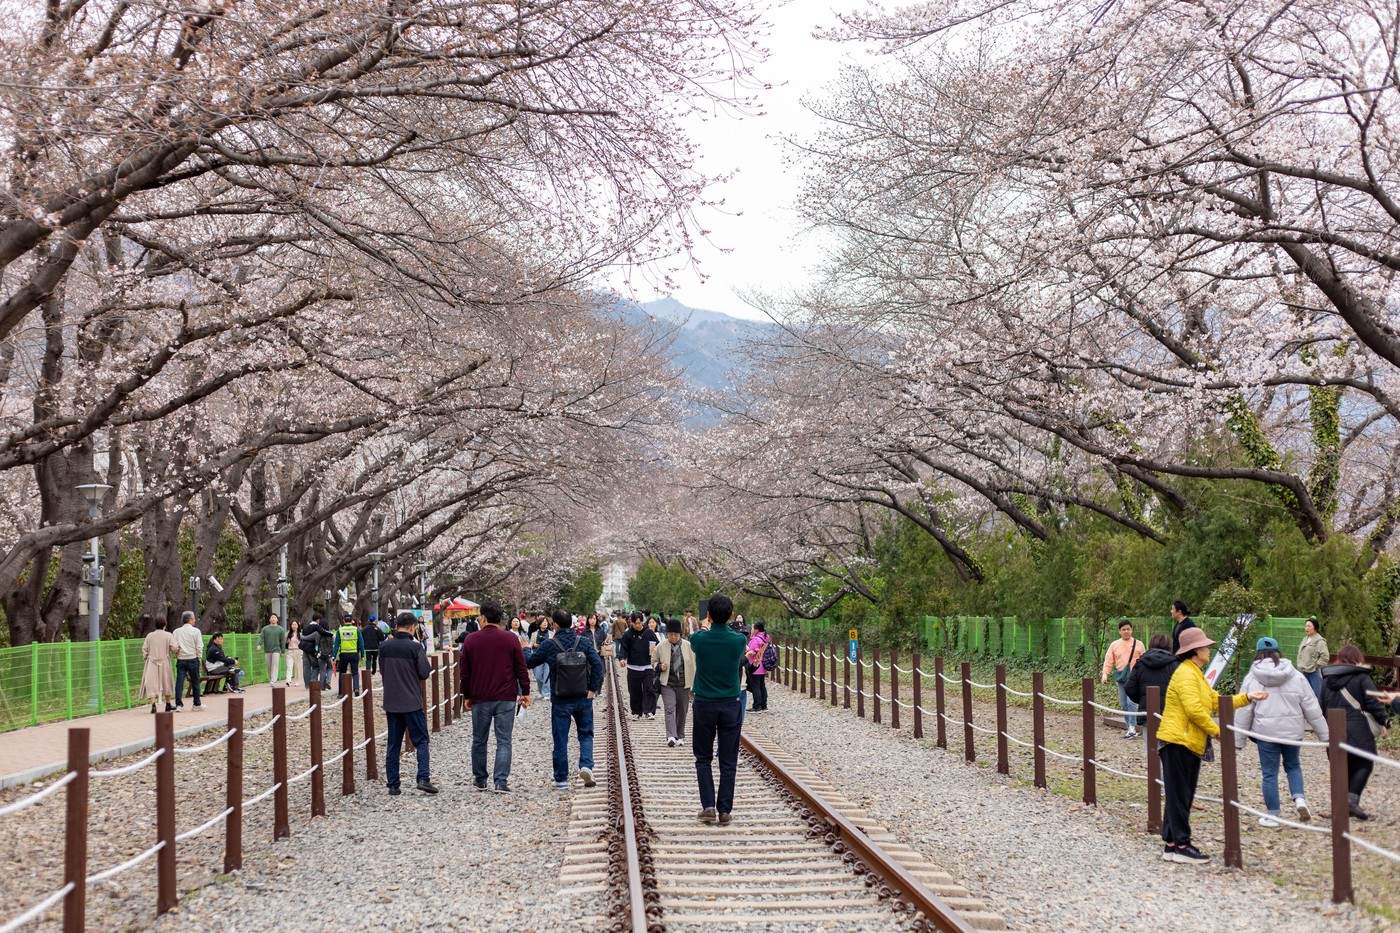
(756, 241)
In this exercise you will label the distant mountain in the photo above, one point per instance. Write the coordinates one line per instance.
(706, 342)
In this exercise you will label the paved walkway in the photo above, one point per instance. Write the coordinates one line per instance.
(29, 754)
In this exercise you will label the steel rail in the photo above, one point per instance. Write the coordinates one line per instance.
(636, 902)
(875, 858)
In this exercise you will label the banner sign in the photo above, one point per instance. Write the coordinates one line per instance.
(1225, 651)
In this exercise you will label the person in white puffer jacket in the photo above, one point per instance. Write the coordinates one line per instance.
(1283, 717)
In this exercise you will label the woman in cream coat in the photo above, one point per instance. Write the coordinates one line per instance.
(675, 663)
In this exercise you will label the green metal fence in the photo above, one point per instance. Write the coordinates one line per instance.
(65, 680)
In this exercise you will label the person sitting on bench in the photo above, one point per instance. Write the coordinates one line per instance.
(218, 663)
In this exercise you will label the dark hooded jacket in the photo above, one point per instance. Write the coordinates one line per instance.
(1153, 669)
(1356, 681)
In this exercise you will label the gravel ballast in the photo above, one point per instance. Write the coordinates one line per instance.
(1042, 860)
(464, 859)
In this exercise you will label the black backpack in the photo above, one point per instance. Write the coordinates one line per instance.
(310, 644)
(570, 678)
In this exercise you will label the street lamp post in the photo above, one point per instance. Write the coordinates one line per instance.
(377, 556)
(93, 493)
(283, 588)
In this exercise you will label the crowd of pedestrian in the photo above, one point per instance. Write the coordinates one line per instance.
(1279, 702)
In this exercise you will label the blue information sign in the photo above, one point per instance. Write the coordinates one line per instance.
(854, 643)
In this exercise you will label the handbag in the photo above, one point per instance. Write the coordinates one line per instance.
(1371, 723)
(1121, 676)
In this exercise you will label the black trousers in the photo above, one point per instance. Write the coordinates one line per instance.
(1358, 773)
(643, 687)
(716, 723)
(758, 686)
(1181, 769)
(372, 660)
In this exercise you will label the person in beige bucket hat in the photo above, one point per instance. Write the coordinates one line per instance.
(1187, 725)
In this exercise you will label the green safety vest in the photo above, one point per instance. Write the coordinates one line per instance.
(349, 639)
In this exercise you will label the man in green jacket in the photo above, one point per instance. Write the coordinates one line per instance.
(718, 708)
(274, 644)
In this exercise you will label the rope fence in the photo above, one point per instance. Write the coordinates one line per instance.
(798, 669)
(76, 780)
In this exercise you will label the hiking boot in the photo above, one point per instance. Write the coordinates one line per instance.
(586, 774)
(1301, 806)
(1187, 855)
(427, 787)
(725, 819)
(394, 791)
(708, 815)
(1354, 807)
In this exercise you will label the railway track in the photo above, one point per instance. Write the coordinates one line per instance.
(798, 856)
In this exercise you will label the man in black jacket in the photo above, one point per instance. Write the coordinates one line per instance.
(403, 666)
(1182, 615)
(565, 708)
(317, 650)
(636, 651)
(372, 638)
(216, 662)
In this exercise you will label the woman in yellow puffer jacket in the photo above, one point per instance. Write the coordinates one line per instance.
(1186, 724)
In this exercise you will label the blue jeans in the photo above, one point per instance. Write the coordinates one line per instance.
(416, 724)
(580, 713)
(542, 680)
(1315, 681)
(1269, 754)
(485, 714)
(722, 720)
(1124, 703)
(186, 668)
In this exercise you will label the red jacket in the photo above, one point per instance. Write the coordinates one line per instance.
(493, 666)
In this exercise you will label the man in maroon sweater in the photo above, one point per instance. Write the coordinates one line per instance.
(494, 679)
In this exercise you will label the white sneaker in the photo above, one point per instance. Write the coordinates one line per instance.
(1268, 822)
(586, 775)
(1304, 813)
(561, 785)
(672, 743)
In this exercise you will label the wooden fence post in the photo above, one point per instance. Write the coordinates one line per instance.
(1091, 788)
(1003, 758)
(812, 680)
(918, 678)
(835, 649)
(894, 688)
(938, 702)
(281, 827)
(1341, 807)
(447, 688)
(1154, 764)
(437, 696)
(821, 671)
(875, 690)
(860, 681)
(347, 736)
(318, 776)
(1229, 784)
(1038, 726)
(166, 896)
(75, 831)
(371, 757)
(969, 746)
(233, 789)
